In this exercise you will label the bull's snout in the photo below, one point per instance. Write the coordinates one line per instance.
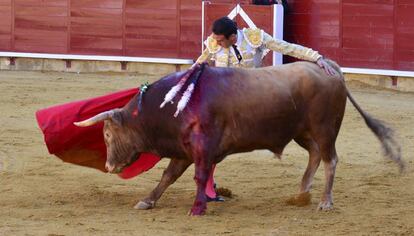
(112, 168)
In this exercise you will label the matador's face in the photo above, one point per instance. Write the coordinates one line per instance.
(225, 42)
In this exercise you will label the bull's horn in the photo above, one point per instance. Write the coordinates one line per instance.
(93, 120)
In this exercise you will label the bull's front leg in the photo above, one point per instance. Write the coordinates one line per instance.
(203, 161)
(202, 172)
(174, 170)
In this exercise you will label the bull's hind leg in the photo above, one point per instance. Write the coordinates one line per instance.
(304, 196)
(330, 160)
(174, 170)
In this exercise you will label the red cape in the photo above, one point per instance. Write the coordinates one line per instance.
(85, 146)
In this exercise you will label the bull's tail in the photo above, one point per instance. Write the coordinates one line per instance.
(385, 134)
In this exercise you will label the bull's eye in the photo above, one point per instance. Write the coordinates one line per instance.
(107, 135)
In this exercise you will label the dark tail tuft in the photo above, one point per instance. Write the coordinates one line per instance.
(385, 134)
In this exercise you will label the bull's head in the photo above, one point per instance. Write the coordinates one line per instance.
(120, 137)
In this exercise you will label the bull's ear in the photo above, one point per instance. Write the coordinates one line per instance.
(117, 117)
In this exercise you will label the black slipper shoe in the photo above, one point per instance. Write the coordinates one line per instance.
(216, 199)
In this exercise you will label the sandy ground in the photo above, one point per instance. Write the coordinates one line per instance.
(41, 195)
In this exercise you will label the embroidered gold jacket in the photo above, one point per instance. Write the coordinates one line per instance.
(253, 45)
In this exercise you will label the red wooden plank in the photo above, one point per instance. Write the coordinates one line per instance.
(261, 16)
(310, 7)
(223, 1)
(155, 14)
(149, 23)
(45, 35)
(13, 26)
(371, 58)
(68, 29)
(151, 53)
(315, 31)
(361, 32)
(405, 15)
(40, 11)
(24, 47)
(5, 42)
(178, 28)
(5, 3)
(190, 4)
(382, 65)
(124, 65)
(405, 2)
(358, 9)
(95, 42)
(405, 65)
(95, 12)
(314, 41)
(92, 21)
(159, 4)
(96, 51)
(98, 30)
(159, 44)
(144, 31)
(369, 21)
(405, 55)
(149, 35)
(5, 30)
(6, 16)
(190, 36)
(309, 20)
(394, 61)
(405, 41)
(97, 3)
(190, 49)
(331, 53)
(40, 42)
(5, 11)
(404, 35)
(371, 2)
(367, 42)
(41, 22)
(190, 33)
(55, 3)
(190, 14)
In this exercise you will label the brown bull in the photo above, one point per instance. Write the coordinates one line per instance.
(233, 111)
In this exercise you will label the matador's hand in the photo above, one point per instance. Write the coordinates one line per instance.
(326, 66)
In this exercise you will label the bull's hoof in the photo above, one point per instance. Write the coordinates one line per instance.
(141, 205)
(300, 200)
(325, 206)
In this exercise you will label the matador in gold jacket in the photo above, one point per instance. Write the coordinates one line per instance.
(228, 46)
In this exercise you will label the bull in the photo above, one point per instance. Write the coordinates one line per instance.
(232, 111)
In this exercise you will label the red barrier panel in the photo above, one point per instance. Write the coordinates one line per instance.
(363, 34)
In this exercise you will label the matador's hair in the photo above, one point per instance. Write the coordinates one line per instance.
(224, 26)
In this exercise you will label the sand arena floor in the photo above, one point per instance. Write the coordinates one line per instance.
(41, 195)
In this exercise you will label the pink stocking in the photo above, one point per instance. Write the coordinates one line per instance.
(210, 191)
